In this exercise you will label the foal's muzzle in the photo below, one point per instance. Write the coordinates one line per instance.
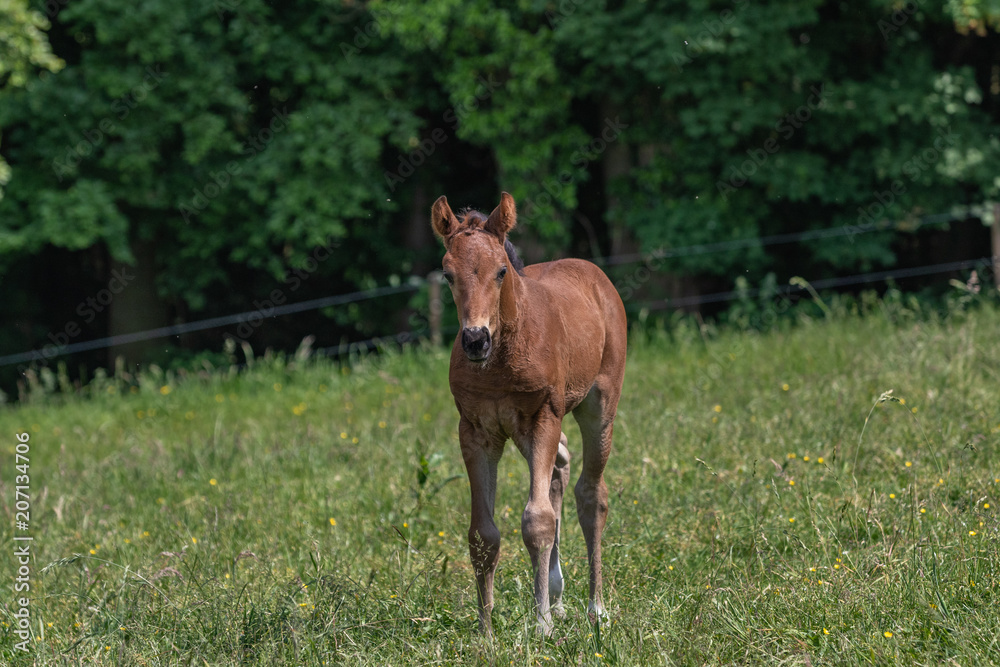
(476, 343)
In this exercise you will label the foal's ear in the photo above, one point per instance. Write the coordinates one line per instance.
(443, 220)
(503, 218)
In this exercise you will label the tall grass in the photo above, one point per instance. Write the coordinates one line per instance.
(771, 502)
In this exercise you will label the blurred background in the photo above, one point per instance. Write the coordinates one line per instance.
(253, 172)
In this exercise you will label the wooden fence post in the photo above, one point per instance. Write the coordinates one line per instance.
(434, 280)
(996, 244)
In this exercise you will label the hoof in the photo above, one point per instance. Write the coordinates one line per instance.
(544, 626)
(597, 614)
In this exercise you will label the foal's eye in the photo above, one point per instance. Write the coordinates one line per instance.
(501, 273)
(450, 279)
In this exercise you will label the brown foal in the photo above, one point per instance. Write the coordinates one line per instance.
(536, 343)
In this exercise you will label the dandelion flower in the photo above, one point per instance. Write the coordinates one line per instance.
(718, 408)
(986, 506)
(819, 460)
(923, 510)
(791, 482)
(194, 540)
(333, 522)
(887, 634)
(213, 481)
(791, 520)
(892, 496)
(909, 464)
(165, 389)
(276, 386)
(791, 455)
(440, 533)
(381, 424)
(972, 533)
(785, 387)
(825, 631)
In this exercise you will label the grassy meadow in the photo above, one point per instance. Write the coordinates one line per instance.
(766, 508)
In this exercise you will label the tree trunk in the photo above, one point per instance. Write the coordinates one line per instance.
(136, 306)
(616, 163)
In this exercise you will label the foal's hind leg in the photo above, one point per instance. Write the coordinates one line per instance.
(596, 419)
(560, 480)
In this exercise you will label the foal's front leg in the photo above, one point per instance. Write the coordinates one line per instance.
(538, 523)
(481, 456)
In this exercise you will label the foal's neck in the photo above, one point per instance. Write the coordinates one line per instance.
(511, 307)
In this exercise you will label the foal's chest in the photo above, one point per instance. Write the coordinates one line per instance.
(500, 413)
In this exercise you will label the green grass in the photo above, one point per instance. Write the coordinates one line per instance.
(283, 515)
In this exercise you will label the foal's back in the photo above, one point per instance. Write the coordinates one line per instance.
(581, 308)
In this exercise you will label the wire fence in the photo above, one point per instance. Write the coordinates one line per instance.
(416, 283)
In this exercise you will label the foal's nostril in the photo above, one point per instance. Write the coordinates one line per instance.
(476, 342)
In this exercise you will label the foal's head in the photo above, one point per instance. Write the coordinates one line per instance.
(477, 264)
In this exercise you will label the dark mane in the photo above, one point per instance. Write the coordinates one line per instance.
(512, 255)
(473, 217)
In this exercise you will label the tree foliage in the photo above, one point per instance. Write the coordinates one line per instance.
(225, 147)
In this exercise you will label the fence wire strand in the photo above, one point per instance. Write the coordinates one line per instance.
(416, 282)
